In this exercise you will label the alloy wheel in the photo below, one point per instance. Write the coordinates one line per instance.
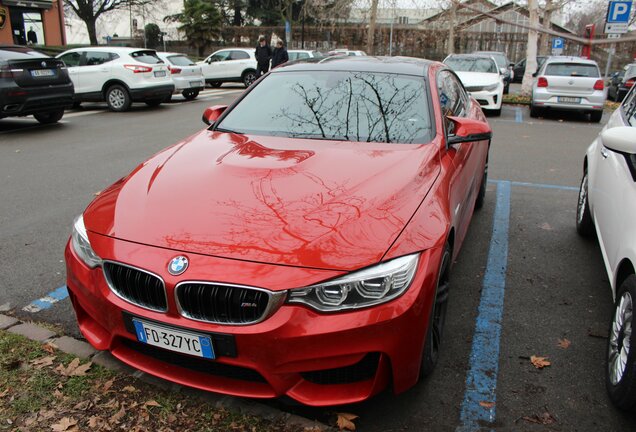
(116, 98)
(580, 209)
(441, 303)
(620, 337)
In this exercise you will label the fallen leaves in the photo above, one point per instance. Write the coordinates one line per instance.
(345, 421)
(544, 418)
(486, 404)
(42, 362)
(540, 362)
(564, 343)
(65, 424)
(74, 368)
(151, 403)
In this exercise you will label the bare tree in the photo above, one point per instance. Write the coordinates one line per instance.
(452, 22)
(372, 21)
(531, 52)
(90, 10)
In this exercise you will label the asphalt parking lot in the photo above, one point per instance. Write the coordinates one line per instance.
(545, 283)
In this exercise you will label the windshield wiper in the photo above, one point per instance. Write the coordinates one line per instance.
(218, 129)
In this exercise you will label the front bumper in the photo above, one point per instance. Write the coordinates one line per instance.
(23, 101)
(316, 359)
(162, 91)
(489, 100)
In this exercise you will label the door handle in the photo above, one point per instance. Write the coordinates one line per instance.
(604, 153)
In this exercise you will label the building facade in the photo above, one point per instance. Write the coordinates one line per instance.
(34, 22)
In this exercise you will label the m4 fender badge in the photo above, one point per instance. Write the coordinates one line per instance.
(250, 305)
(178, 265)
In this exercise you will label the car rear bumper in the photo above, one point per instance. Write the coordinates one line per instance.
(587, 102)
(188, 83)
(22, 101)
(316, 359)
(151, 92)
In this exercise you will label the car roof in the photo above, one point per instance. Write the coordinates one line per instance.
(235, 49)
(570, 59)
(119, 50)
(397, 65)
(163, 53)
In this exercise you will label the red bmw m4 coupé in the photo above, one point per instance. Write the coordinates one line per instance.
(301, 245)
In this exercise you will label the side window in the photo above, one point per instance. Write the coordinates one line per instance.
(292, 56)
(452, 96)
(220, 56)
(95, 58)
(71, 59)
(303, 55)
(463, 100)
(629, 108)
(239, 55)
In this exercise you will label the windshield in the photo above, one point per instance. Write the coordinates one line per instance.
(472, 64)
(149, 57)
(572, 69)
(344, 106)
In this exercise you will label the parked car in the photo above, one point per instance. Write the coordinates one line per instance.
(505, 66)
(346, 52)
(117, 75)
(288, 248)
(569, 83)
(621, 83)
(303, 54)
(520, 69)
(230, 65)
(186, 75)
(607, 208)
(481, 77)
(32, 83)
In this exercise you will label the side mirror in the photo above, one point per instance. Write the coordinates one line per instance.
(211, 114)
(468, 130)
(620, 139)
(503, 71)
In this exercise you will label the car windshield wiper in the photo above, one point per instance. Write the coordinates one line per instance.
(218, 129)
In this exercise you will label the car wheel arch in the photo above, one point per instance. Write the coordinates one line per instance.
(112, 82)
(623, 271)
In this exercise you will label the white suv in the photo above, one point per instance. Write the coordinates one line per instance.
(230, 65)
(118, 76)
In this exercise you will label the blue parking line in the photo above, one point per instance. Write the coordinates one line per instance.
(478, 406)
(47, 301)
(518, 115)
(537, 185)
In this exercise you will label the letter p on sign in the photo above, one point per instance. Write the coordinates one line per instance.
(619, 11)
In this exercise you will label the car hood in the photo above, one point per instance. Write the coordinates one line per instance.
(470, 79)
(300, 202)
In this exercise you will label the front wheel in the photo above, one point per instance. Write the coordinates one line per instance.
(118, 98)
(481, 196)
(190, 94)
(620, 370)
(430, 356)
(584, 223)
(49, 117)
(249, 77)
(215, 84)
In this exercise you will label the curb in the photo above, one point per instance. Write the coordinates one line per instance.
(104, 359)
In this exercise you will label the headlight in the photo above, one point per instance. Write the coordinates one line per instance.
(81, 245)
(368, 287)
(491, 87)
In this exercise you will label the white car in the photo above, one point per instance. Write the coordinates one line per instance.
(347, 52)
(303, 54)
(186, 75)
(481, 78)
(607, 207)
(230, 65)
(117, 75)
(569, 83)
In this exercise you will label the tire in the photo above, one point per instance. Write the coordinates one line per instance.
(49, 117)
(215, 84)
(249, 77)
(154, 102)
(430, 355)
(190, 94)
(118, 98)
(481, 195)
(495, 112)
(584, 223)
(596, 116)
(620, 367)
(535, 112)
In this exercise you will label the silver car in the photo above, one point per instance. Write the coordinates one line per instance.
(569, 83)
(186, 75)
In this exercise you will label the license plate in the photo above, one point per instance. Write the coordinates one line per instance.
(569, 99)
(174, 339)
(195, 84)
(160, 74)
(42, 73)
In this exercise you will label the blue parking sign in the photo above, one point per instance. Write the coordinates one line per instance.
(557, 43)
(618, 11)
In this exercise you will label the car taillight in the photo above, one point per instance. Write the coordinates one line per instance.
(7, 72)
(138, 68)
(629, 83)
(542, 82)
(174, 70)
(599, 85)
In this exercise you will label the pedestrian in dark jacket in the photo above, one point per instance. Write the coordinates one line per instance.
(263, 56)
(280, 55)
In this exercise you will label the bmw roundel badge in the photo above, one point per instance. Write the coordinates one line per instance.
(177, 265)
